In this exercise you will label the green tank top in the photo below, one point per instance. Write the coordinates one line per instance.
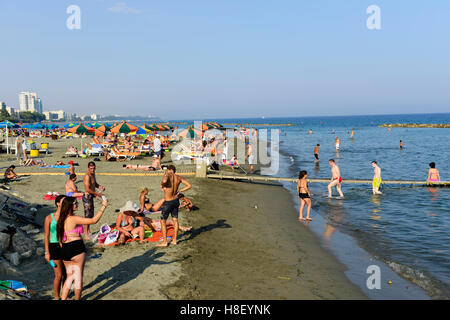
(53, 236)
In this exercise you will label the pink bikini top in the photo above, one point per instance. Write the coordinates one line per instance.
(78, 230)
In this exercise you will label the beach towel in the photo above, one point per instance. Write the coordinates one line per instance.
(51, 196)
(56, 166)
(16, 286)
(155, 236)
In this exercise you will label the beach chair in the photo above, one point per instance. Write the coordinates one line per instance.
(145, 149)
(128, 155)
(95, 150)
(71, 154)
(103, 144)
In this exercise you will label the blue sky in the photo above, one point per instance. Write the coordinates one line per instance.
(228, 58)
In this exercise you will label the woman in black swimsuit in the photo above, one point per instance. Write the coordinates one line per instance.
(304, 195)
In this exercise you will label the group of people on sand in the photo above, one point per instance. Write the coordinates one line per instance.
(65, 249)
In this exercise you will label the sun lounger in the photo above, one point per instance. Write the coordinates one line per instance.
(95, 150)
(128, 155)
(71, 154)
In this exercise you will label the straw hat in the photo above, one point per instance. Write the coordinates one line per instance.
(130, 206)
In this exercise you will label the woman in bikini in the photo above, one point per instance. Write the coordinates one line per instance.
(146, 205)
(130, 226)
(433, 173)
(304, 195)
(53, 249)
(73, 252)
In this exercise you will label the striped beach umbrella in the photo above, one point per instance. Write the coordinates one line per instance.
(104, 127)
(81, 129)
(124, 127)
(191, 133)
(98, 133)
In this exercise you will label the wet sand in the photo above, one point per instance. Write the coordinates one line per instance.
(235, 251)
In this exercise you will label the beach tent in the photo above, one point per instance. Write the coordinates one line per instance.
(124, 127)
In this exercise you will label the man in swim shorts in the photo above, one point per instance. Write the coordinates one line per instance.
(170, 184)
(336, 179)
(376, 178)
(316, 152)
(90, 184)
(70, 188)
(251, 157)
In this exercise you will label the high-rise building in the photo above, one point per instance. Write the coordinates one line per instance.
(2, 105)
(29, 101)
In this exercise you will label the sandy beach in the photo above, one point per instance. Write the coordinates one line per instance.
(245, 244)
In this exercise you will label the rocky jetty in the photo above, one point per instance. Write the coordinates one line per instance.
(415, 125)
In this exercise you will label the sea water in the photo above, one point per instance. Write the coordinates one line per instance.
(406, 229)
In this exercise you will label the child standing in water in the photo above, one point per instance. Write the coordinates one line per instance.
(304, 195)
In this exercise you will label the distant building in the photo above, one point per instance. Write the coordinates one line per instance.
(55, 115)
(12, 111)
(29, 101)
(2, 105)
(95, 116)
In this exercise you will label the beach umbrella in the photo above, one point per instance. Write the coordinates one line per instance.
(81, 129)
(69, 125)
(38, 126)
(166, 127)
(104, 127)
(98, 133)
(141, 131)
(124, 127)
(96, 125)
(191, 133)
(145, 129)
(9, 124)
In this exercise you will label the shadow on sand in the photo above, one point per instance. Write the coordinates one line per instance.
(124, 272)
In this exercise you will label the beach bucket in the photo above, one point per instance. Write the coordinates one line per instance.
(44, 145)
(34, 153)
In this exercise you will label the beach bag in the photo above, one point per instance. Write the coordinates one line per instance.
(112, 237)
(105, 229)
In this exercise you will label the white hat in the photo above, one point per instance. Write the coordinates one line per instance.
(130, 206)
(157, 135)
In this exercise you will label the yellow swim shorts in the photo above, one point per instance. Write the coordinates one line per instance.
(376, 182)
